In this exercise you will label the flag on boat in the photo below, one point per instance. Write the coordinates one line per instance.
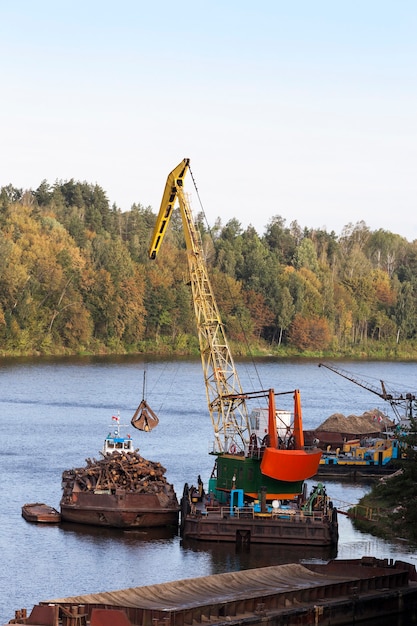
(115, 418)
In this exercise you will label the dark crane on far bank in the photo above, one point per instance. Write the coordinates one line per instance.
(405, 401)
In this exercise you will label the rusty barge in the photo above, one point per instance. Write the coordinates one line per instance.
(122, 489)
(40, 513)
(337, 592)
(311, 521)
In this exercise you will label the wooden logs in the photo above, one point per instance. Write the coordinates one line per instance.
(128, 471)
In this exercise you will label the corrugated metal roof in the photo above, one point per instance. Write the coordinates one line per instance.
(218, 588)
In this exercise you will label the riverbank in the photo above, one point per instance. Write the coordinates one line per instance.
(388, 511)
(188, 347)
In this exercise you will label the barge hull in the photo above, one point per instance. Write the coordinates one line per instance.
(123, 510)
(40, 513)
(340, 593)
(296, 532)
(354, 472)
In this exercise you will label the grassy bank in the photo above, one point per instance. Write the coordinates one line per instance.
(187, 345)
(389, 510)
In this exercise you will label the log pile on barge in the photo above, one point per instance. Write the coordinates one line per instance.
(128, 471)
(121, 490)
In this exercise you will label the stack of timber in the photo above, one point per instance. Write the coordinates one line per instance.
(126, 471)
(121, 490)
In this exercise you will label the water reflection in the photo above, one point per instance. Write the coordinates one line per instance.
(56, 413)
(228, 557)
(101, 533)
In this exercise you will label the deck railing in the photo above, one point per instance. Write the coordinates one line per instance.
(249, 512)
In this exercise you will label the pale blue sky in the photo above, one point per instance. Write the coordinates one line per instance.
(304, 109)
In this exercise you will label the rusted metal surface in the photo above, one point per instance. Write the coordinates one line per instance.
(288, 527)
(336, 593)
(308, 521)
(121, 509)
(39, 512)
(119, 490)
(52, 615)
(144, 418)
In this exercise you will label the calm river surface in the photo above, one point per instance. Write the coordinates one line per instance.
(55, 413)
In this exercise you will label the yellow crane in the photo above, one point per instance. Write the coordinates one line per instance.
(225, 398)
(240, 456)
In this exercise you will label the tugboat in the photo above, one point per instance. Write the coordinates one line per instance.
(248, 468)
(115, 442)
(120, 490)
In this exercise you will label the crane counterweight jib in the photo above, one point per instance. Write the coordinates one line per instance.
(170, 195)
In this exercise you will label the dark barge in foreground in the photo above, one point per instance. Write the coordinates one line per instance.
(338, 593)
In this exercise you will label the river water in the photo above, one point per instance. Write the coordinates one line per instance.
(55, 413)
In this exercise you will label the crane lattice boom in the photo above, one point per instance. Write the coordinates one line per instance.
(397, 399)
(226, 401)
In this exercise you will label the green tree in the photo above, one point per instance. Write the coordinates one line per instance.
(306, 257)
(387, 250)
(405, 311)
(280, 240)
(286, 312)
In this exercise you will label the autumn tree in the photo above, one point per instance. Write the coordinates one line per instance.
(310, 333)
(260, 313)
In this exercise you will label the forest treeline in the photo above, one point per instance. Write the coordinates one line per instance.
(75, 278)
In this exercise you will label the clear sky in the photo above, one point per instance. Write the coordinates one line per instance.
(305, 109)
